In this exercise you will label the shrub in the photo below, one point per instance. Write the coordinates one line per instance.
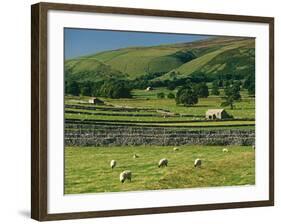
(171, 96)
(160, 95)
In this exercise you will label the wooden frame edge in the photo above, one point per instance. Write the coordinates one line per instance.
(39, 111)
(271, 111)
(154, 12)
(155, 210)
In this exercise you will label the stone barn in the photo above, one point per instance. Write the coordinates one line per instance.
(149, 88)
(96, 101)
(214, 114)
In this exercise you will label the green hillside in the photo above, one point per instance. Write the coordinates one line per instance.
(237, 57)
(139, 61)
(89, 69)
(212, 56)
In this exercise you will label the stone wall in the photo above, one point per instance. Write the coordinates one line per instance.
(113, 135)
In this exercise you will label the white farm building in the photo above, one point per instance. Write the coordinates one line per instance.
(214, 114)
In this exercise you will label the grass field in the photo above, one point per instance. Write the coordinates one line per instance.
(147, 100)
(87, 169)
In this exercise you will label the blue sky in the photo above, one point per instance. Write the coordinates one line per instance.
(79, 42)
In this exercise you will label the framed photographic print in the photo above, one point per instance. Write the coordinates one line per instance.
(138, 111)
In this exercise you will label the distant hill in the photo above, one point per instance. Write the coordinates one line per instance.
(89, 69)
(213, 56)
(235, 57)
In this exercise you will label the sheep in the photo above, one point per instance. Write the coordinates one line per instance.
(163, 163)
(224, 150)
(136, 156)
(253, 147)
(176, 149)
(113, 163)
(125, 175)
(197, 163)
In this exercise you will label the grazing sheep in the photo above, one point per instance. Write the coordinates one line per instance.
(163, 163)
(125, 175)
(253, 147)
(113, 163)
(224, 150)
(176, 149)
(136, 156)
(197, 163)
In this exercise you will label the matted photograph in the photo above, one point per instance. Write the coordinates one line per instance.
(140, 111)
(152, 111)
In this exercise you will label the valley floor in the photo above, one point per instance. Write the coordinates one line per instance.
(87, 169)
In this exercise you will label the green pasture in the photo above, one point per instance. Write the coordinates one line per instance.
(147, 100)
(87, 169)
(243, 109)
(177, 121)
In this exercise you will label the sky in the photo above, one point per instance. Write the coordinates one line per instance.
(79, 42)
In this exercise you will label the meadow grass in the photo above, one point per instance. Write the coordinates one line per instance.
(159, 121)
(244, 109)
(87, 169)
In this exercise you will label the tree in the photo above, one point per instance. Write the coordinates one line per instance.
(121, 91)
(232, 94)
(72, 87)
(237, 85)
(171, 96)
(186, 96)
(115, 89)
(251, 89)
(249, 84)
(215, 88)
(198, 77)
(171, 86)
(233, 90)
(86, 89)
(226, 83)
(160, 95)
(201, 89)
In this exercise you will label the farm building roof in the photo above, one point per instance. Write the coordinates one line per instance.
(212, 111)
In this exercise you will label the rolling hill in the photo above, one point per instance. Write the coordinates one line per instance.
(213, 56)
(88, 69)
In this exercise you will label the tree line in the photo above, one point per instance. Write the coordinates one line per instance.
(189, 89)
(111, 88)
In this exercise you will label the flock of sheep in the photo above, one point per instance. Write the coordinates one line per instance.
(127, 174)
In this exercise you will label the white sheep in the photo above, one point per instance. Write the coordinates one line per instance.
(163, 163)
(224, 150)
(197, 163)
(176, 149)
(253, 147)
(125, 175)
(113, 163)
(136, 156)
